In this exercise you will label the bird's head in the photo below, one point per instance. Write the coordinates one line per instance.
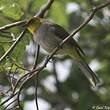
(34, 24)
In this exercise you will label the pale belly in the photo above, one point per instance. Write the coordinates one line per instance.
(49, 44)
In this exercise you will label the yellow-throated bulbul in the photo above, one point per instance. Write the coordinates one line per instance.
(49, 35)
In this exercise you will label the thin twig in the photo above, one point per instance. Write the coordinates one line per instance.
(19, 66)
(55, 74)
(36, 77)
(13, 45)
(24, 76)
(44, 9)
(36, 57)
(19, 92)
(19, 82)
(8, 99)
(10, 104)
(21, 86)
(13, 25)
(10, 41)
(7, 34)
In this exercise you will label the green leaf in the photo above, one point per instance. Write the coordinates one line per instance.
(19, 51)
(11, 8)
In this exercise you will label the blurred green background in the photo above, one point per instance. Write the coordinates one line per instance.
(62, 86)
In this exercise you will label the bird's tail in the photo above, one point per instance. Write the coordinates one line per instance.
(91, 76)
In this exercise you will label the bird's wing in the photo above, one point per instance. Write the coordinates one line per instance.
(62, 33)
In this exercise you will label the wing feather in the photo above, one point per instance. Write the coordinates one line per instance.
(62, 33)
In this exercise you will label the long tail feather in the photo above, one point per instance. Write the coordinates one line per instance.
(92, 77)
(79, 60)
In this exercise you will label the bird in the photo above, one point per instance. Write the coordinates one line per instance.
(49, 35)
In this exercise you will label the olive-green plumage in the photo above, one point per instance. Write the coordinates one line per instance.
(49, 35)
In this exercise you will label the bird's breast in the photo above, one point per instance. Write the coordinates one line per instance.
(46, 40)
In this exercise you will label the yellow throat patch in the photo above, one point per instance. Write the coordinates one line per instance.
(34, 24)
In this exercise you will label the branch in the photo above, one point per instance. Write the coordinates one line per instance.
(37, 56)
(13, 25)
(5, 108)
(55, 75)
(19, 66)
(8, 99)
(19, 92)
(10, 41)
(36, 77)
(44, 9)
